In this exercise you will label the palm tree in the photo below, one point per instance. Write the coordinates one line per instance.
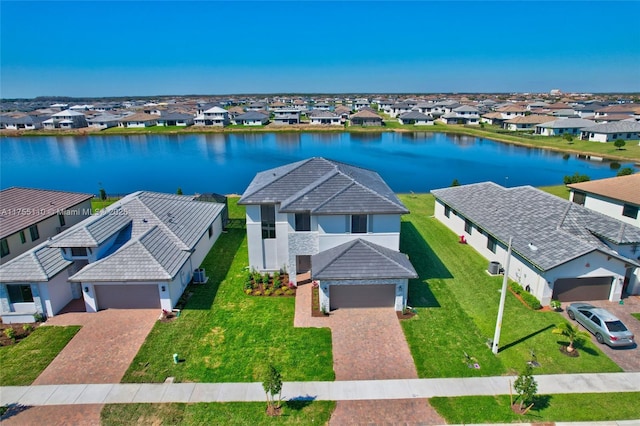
(573, 333)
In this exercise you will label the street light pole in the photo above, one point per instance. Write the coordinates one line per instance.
(503, 296)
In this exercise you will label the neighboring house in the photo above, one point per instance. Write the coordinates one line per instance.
(560, 250)
(214, 116)
(360, 103)
(511, 111)
(340, 222)
(608, 132)
(344, 113)
(66, 119)
(251, 118)
(526, 122)
(463, 114)
(26, 122)
(416, 118)
(494, 118)
(175, 119)
(617, 197)
(257, 106)
(138, 253)
(562, 126)
(284, 116)
(138, 120)
(365, 117)
(104, 121)
(400, 108)
(324, 117)
(30, 216)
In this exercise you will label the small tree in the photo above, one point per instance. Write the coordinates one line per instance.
(571, 332)
(455, 183)
(625, 171)
(103, 194)
(272, 385)
(179, 191)
(619, 143)
(567, 137)
(526, 387)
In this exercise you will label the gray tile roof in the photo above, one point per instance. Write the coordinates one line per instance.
(559, 229)
(360, 259)
(322, 186)
(415, 115)
(614, 127)
(252, 115)
(567, 123)
(93, 231)
(37, 265)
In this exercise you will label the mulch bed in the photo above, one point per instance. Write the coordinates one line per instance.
(20, 333)
(315, 303)
(572, 354)
(405, 315)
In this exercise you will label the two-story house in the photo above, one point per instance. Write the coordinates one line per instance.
(214, 116)
(339, 222)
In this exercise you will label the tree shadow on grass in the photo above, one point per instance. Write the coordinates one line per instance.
(217, 264)
(426, 263)
(525, 338)
(299, 402)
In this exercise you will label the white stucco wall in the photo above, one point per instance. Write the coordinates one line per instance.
(56, 294)
(607, 206)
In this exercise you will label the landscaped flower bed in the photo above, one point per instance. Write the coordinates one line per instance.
(267, 284)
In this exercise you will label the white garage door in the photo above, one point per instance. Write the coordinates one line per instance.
(127, 296)
(362, 296)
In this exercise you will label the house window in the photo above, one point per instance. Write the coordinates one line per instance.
(579, 197)
(630, 211)
(491, 243)
(359, 224)
(467, 226)
(4, 247)
(34, 232)
(210, 230)
(615, 136)
(303, 222)
(447, 211)
(61, 219)
(78, 251)
(268, 216)
(19, 293)
(23, 239)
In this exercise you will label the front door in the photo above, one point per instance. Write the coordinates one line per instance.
(303, 264)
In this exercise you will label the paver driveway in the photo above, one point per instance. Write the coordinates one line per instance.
(368, 344)
(628, 358)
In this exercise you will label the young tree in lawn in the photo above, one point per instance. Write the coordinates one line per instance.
(619, 143)
(572, 332)
(272, 385)
(526, 387)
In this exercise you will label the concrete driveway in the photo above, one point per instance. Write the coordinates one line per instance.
(627, 358)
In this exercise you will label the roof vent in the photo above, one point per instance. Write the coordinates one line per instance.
(144, 220)
(533, 247)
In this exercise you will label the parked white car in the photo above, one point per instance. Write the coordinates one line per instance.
(607, 328)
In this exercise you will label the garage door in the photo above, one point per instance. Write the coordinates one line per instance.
(362, 296)
(574, 289)
(127, 296)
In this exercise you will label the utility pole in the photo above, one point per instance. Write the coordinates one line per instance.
(503, 296)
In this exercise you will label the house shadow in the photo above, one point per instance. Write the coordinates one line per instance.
(217, 264)
(11, 410)
(426, 263)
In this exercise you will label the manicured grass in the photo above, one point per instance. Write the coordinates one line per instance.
(558, 190)
(97, 204)
(224, 335)
(636, 316)
(23, 362)
(457, 305)
(231, 413)
(586, 407)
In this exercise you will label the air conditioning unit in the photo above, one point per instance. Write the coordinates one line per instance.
(200, 276)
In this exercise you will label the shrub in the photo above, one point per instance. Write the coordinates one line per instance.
(568, 138)
(278, 292)
(289, 292)
(619, 143)
(527, 297)
(39, 317)
(268, 292)
(248, 285)
(625, 171)
(10, 333)
(515, 287)
(28, 328)
(248, 291)
(576, 178)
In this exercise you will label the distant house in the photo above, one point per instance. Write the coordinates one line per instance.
(66, 119)
(494, 118)
(26, 122)
(175, 119)
(344, 113)
(251, 118)
(416, 118)
(360, 103)
(30, 216)
(140, 252)
(526, 122)
(616, 197)
(562, 126)
(365, 117)
(560, 250)
(608, 132)
(103, 121)
(214, 116)
(511, 111)
(138, 120)
(257, 106)
(463, 114)
(339, 222)
(400, 108)
(285, 117)
(324, 117)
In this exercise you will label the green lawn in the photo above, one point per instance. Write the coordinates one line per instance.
(637, 316)
(586, 407)
(231, 413)
(558, 190)
(97, 204)
(23, 362)
(457, 305)
(226, 336)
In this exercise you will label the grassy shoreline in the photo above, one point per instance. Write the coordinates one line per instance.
(631, 152)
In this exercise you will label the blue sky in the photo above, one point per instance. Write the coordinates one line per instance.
(118, 48)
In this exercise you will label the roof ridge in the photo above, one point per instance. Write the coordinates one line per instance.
(333, 196)
(564, 216)
(159, 224)
(322, 179)
(35, 258)
(374, 248)
(302, 163)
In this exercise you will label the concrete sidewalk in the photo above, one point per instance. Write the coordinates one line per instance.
(332, 391)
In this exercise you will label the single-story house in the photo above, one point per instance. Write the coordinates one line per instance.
(251, 118)
(175, 119)
(140, 252)
(26, 122)
(139, 119)
(339, 222)
(526, 122)
(365, 117)
(562, 126)
(560, 250)
(415, 118)
(104, 121)
(324, 117)
(613, 131)
(617, 197)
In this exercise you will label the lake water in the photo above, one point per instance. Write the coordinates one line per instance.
(226, 163)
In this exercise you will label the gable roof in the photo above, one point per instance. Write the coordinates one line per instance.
(252, 115)
(559, 229)
(23, 207)
(322, 186)
(36, 265)
(361, 259)
(623, 188)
